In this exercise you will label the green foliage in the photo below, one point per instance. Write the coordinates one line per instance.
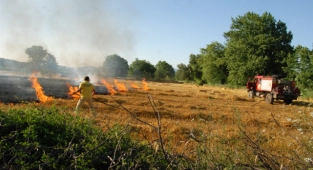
(304, 70)
(45, 139)
(115, 66)
(183, 73)
(292, 66)
(299, 67)
(40, 59)
(164, 71)
(256, 45)
(214, 64)
(140, 69)
(195, 67)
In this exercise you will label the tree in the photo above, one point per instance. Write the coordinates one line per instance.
(2, 65)
(256, 45)
(12, 65)
(292, 66)
(141, 69)
(183, 73)
(50, 63)
(40, 60)
(195, 69)
(115, 66)
(304, 65)
(214, 65)
(164, 71)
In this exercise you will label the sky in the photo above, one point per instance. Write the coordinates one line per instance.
(83, 32)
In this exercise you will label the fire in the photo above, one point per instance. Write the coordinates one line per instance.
(133, 85)
(109, 87)
(120, 86)
(39, 91)
(71, 90)
(145, 85)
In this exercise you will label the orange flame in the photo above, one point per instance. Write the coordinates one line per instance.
(120, 86)
(109, 87)
(39, 91)
(133, 85)
(145, 85)
(72, 90)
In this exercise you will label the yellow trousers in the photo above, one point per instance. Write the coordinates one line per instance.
(90, 103)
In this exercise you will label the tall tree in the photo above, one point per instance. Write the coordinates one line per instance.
(304, 70)
(141, 69)
(183, 73)
(164, 71)
(214, 66)
(292, 65)
(195, 67)
(115, 66)
(50, 64)
(40, 60)
(256, 45)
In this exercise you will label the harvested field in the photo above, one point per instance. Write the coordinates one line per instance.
(192, 113)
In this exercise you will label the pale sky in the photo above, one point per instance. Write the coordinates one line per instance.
(83, 33)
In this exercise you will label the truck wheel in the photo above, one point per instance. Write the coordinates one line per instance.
(250, 94)
(287, 101)
(269, 98)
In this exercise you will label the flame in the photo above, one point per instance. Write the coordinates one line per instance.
(39, 91)
(120, 86)
(133, 85)
(109, 87)
(71, 91)
(145, 85)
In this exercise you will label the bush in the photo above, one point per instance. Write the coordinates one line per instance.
(46, 139)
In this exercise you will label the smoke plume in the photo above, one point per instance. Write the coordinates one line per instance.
(76, 32)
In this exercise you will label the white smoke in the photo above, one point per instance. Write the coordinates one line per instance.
(76, 32)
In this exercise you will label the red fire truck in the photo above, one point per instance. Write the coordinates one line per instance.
(273, 88)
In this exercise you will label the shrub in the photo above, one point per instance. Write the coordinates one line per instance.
(45, 139)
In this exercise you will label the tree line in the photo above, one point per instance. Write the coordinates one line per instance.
(40, 60)
(255, 44)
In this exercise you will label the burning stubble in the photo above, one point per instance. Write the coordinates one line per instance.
(72, 91)
(145, 85)
(133, 85)
(39, 90)
(110, 88)
(120, 86)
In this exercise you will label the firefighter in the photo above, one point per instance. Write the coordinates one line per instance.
(87, 90)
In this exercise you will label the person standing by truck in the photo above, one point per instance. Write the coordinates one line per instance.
(87, 90)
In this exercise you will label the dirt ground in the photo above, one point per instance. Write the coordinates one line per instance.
(187, 109)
